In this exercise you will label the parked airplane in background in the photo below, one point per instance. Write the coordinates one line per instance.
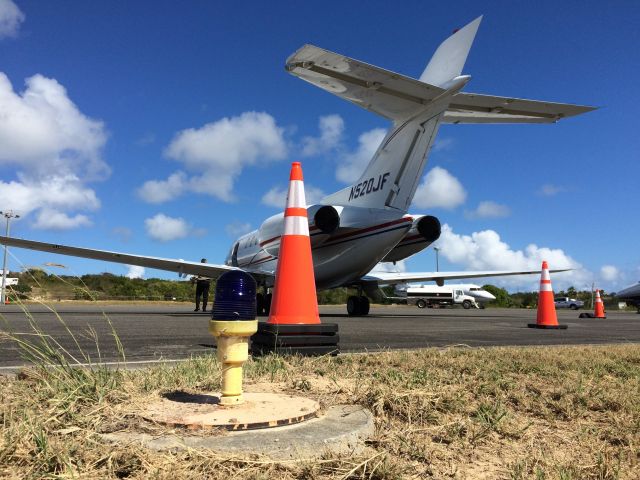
(476, 291)
(631, 295)
(367, 222)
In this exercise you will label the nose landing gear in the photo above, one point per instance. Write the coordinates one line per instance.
(358, 305)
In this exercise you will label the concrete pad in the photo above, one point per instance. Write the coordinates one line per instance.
(203, 411)
(341, 429)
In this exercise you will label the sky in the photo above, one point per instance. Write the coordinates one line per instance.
(168, 128)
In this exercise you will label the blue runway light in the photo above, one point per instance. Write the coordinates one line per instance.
(235, 297)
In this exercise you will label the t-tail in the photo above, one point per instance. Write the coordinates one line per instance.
(415, 107)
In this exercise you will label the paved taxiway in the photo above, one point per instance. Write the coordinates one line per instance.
(172, 331)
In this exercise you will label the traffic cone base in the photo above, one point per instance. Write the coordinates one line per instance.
(551, 327)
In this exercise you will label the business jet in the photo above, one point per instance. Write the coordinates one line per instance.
(631, 295)
(367, 222)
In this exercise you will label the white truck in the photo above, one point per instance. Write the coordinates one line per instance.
(435, 296)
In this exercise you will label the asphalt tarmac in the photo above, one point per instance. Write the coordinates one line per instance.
(160, 332)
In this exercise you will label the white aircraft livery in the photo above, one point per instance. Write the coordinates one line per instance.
(367, 222)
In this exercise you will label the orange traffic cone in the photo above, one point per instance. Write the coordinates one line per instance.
(547, 317)
(598, 310)
(294, 294)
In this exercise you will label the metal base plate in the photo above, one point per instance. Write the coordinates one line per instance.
(203, 411)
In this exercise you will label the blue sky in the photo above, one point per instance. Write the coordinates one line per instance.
(100, 99)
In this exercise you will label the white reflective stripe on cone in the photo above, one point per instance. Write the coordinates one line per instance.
(545, 287)
(296, 226)
(295, 198)
(545, 275)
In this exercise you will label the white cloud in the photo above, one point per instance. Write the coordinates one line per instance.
(49, 219)
(353, 164)
(277, 196)
(135, 271)
(485, 250)
(550, 190)
(390, 267)
(60, 192)
(10, 18)
(237, 228)
(164, 229)
(331, 129)
(489, 209)
(159, 191)
(442, 143)
(216, 154)
(610, 273)
(54, 151)
(439, 189)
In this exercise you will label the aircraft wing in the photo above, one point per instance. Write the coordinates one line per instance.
(391, 278)
(476, 108)
(375, 89)
(172, 265)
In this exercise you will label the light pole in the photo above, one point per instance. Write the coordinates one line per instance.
(3, 294)
(436, 249)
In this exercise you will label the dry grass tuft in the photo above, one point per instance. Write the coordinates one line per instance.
(512, 413)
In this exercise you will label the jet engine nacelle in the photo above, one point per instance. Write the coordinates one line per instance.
(323, 221)
(424, 231)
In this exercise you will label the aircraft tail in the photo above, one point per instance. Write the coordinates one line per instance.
(415, 107)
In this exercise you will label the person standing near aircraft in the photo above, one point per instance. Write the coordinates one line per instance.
(202, 289)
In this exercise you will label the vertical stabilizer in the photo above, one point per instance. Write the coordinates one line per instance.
(448, 61)
(391, 178)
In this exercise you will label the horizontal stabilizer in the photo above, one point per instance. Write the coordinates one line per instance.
(391, 278)
(475, 108)
(172, 265)
(380, 91)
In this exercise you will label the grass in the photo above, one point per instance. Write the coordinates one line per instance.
(512, 413)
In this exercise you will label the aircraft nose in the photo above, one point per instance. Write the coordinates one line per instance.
(487, 295)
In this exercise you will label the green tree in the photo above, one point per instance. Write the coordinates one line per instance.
(502, 296)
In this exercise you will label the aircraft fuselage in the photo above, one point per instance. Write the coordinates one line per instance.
(341, 259)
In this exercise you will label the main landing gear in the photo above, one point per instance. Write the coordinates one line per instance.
(357, 305)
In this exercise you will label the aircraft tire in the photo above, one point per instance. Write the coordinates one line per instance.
(353, 306)
(421, 304)
(364, 305)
